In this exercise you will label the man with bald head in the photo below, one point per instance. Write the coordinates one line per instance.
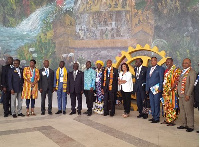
(186, 100)
(46, 86)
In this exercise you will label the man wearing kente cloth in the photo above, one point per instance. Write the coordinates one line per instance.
(169, 92)
(186, 96)
(60, 85)
(109, 87)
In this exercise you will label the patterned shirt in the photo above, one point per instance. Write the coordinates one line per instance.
(89, 79)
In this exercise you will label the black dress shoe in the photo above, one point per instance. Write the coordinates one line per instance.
(105, 114)
(89, 114)
(64, 112)
(50, 113)
(145, 116)
(197, 131)
(139, 116)
(151, 119)
(189, 130)
(43, 113)
(59, 111)
(71, 113)
(155, 121)
(79, 113)
(111, 114)
(22, 115)
(181, 127)
(14, 116)
(86, 112)
(5, 115)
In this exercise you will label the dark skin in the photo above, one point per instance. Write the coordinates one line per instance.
(185, 64)
(8, 62)
(88, 65)
(32, 66)
(138, 63)
(61, 65)
(99, 66)
(109, 64)
(75, 67)
(153, 63)
(169, 64)
(46, 65)
(16, 65)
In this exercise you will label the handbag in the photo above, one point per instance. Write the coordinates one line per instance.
(146, 107)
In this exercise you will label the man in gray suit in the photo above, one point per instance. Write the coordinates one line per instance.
(186, 99)
(46, 86)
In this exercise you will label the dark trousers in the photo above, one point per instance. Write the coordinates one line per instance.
(89, 99)
(32, 103)
(73, 101)
(126, 96)
(155, 105)
(109, 102)
(7, 103)
(141, 95)
(43, 97)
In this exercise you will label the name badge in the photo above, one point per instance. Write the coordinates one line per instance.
(61, 79)
(44, 73)
(15, 71)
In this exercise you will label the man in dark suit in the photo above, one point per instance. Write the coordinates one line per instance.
(154, 86)
(15, 84)
(46, 86)
(109, 86)
(140, 82)
(75, 87)
(4, 83)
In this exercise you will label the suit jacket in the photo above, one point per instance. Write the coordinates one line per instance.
(46, 82)
(15, 82)
(189, 86)
(142, 79)
(156, 77)
(4, 81)
(0, 73)
(114, 83)
(75, 86)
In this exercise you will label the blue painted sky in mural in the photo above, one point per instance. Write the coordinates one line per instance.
(26, 32)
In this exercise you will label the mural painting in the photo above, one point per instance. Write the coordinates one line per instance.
(81, 30)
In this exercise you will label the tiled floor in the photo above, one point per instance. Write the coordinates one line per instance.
(94, 131)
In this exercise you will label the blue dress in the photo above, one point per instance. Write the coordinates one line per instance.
(98, 108)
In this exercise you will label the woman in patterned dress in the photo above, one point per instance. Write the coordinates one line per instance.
(30, 88)
(98, 108)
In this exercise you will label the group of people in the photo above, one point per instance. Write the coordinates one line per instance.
(173, 86)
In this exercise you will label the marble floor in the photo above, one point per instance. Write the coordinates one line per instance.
(91, 131)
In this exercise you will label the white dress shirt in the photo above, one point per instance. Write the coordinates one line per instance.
(18, 70)
(61, 72)
(47, 71)
(152, 69)
(138, 73)
(128, 86)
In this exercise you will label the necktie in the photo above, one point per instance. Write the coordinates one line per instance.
(47, 72)
(108, 73)
(137, 73)
(74, 75)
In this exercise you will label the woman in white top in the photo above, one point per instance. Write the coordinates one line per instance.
(126, 86)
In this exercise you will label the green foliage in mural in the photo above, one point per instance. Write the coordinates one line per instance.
(176, 23)
(12, 12)
(43, 48)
